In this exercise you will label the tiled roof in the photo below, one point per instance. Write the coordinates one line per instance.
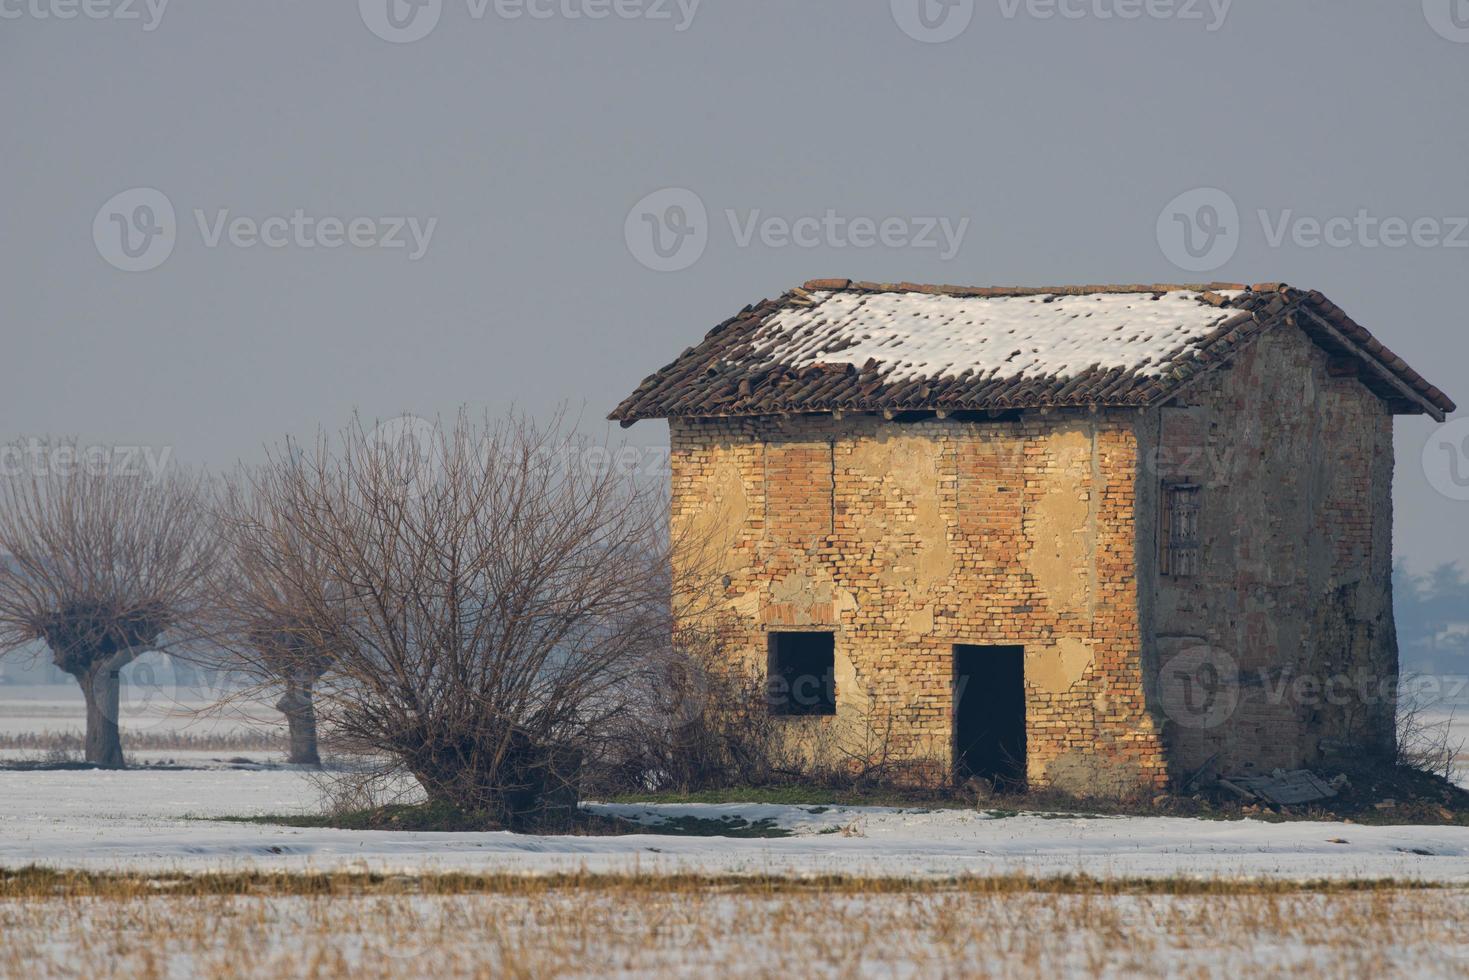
(837, 345)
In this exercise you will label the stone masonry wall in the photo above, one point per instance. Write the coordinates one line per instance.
(907, 539)
(1293, 604)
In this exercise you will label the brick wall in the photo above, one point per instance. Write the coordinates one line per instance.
(906, 539)
(1293, 602)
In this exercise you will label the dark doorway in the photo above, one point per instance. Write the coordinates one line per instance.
(989, 714)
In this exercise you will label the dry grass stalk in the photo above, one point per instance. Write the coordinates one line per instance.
(689, 928)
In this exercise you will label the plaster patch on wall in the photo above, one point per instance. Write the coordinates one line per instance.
(919, 621)
(722, 522)
(1055, 668)
(909, 470)
(747, 606)
(1062, 526)
(802, 599)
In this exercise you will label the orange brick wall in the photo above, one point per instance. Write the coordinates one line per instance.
(906, 539)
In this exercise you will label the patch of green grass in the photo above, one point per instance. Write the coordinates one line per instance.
(440, 817)
(716, 827)
(444, 818)
(430, 817)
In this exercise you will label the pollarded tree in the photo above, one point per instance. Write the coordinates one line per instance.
(103, 564)
(269, 613)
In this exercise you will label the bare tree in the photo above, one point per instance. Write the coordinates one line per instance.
(102, 562)
(490, 596)
(259, 617)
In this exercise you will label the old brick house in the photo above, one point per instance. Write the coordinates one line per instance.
(1089, 537)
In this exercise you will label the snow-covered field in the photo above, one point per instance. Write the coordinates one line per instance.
(159, 819)
(159, 708)
(163, 819)
(942, 910)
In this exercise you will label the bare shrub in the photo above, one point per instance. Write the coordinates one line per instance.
(100, 566)
(704, 725)
(708, 725)
(1425, 743)
(489, 600)
(353, 787)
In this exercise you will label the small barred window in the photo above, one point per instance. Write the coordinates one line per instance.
(1180, 531)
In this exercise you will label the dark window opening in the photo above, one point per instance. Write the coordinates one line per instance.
(802, 674)
(1180, 529)
(989, 715)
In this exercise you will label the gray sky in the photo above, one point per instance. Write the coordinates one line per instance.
(528, 140)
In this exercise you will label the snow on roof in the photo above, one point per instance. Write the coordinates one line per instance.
(920, 335)
(838, 345)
